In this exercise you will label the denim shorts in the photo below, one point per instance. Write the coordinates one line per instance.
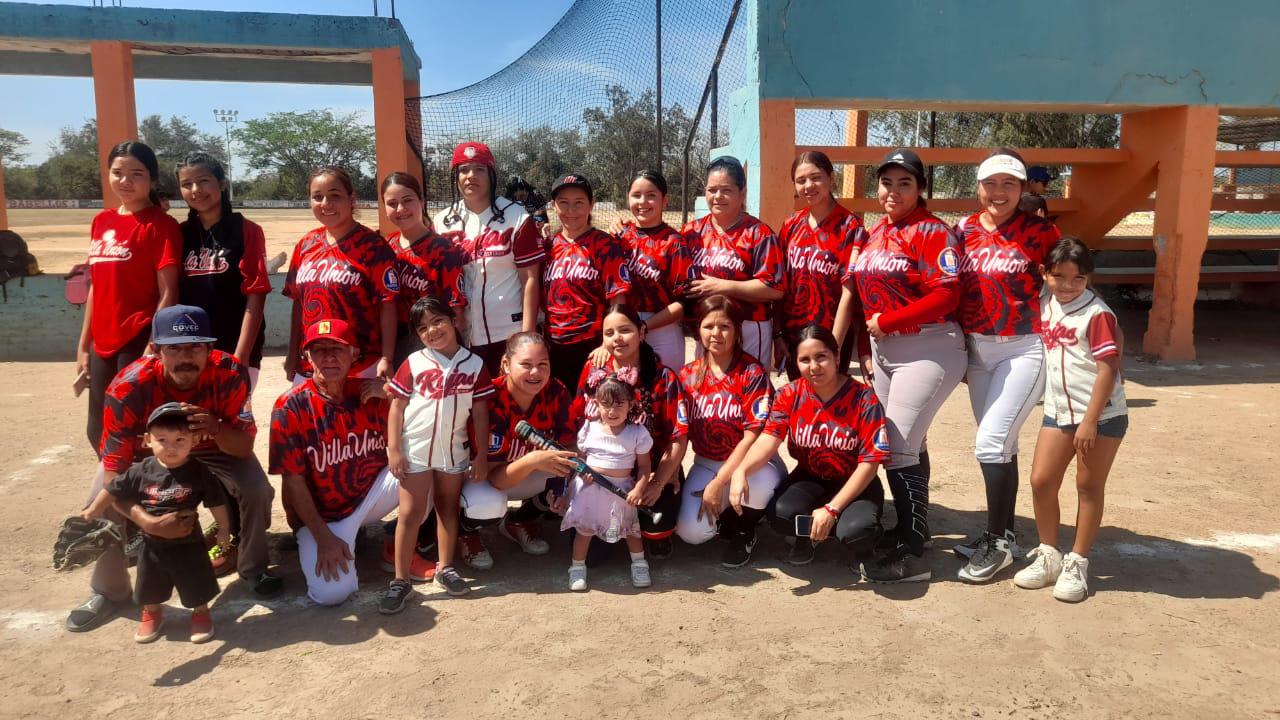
(1112, 427)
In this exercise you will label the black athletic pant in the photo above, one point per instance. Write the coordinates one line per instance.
(102, 370)
(567, 361)
(801, 493)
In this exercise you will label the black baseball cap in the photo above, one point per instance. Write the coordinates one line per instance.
(575, 180)
(905, 159)
(1039, 173)
(178, 324)
(169, 409)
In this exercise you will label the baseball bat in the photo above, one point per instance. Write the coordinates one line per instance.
(526, 432)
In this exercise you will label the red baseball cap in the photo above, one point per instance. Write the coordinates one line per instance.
(469, 152)
(335, 330)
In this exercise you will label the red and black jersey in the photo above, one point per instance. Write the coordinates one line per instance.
(747, 251)
(548, 414)
(666, 410)
(661, 266)
(349, 280)
(816, 261)
(830, 439)
(431, 265)
(338, 446)
(1000, 279)
(126, 251)
(579, 279)
(222, 389)
(902, 262)
(222, 266)
(722, 409)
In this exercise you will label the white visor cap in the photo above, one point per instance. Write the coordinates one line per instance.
(1006, 164)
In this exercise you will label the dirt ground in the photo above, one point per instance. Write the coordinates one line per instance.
(1183, 620)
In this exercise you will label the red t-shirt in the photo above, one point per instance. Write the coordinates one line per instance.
(661, 266)
(830, 439)
(902, 262)
(579, 279)
(722, 409)
(431, 265)
(548, 414)
(816, 261)
(747, 251)
(1000, 279)
(125, 253)
(338, 447)
(348, 280)
(222, 389)
(666, 411)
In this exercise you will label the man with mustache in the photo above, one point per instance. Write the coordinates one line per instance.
(213, 388)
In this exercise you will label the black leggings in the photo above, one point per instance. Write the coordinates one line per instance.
(567, 361)
(801, 492)
(102, 370)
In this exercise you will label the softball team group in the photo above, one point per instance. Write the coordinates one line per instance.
(414, 357)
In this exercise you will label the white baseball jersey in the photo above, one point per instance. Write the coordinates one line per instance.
(440, 391)
(1077, 335)
(494, 253)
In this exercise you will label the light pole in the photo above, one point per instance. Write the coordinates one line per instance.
(228, 118)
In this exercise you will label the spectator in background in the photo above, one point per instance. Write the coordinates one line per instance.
(1038, 179)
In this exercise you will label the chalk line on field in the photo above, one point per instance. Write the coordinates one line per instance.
(1239, 541)
(48, 456)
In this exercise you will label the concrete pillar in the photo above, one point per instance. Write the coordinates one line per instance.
(1184, 195)
(112, 64)
(777, 150)
(390, 88)
(855, 135)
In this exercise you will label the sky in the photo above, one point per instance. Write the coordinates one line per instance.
(450, 59)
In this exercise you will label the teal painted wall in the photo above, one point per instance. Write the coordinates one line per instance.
(1123, 52)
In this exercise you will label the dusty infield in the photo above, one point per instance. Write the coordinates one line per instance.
(1183, 620)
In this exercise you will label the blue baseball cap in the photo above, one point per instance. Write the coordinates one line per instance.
(179, 324)
(1039, 173)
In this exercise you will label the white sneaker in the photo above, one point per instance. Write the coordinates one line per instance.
(1073, 583)
(1044, 570)
(640, 574)
(577, 578)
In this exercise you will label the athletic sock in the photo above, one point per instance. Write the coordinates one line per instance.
(1001, 480)
(637, 557)
(578, 563)
(1013, 493)
(910, 487)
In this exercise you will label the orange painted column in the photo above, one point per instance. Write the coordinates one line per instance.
(113, 95)
(1184, 195)
(391, 144)
(777, 150)
(855, 135)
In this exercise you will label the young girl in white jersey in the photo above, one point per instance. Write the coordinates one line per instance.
(613, 444)
(1085, 418)
(433, 394)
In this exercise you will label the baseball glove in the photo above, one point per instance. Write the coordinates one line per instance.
(81, 541)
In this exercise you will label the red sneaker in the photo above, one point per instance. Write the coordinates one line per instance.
(149, 628)
(525, 534)
(474, 553)
(201, 627)
(420, 569)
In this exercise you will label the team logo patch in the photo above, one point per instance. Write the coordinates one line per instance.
(949, 261)
(881, 440)
(391, 280)
(469, 151)
(570, 179)
(325, 328)
(246, 415)
(624, 273)
(186, 324)
(495, 442)
(760, 408)
(682, 413)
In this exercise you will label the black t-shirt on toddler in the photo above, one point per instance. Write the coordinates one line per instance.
(161, 490)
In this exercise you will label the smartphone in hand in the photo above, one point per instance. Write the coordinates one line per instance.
(81, 384)
(804, 525)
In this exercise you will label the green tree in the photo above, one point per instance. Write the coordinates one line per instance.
(72, 171)
(11, 144)
(540, 155)
(174, 139)
(292, 144)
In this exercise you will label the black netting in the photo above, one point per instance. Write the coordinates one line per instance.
(583, 99)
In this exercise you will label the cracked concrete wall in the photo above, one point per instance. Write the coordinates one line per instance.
(1077, 52)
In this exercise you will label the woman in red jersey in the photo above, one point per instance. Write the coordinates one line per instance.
(735, 254)
(133, 271)
(905, 277)
(342, 270)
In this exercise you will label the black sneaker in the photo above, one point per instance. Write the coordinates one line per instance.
(266, 585)
(898, 566)
(801, 552)
(990, 557)
(965, 550)
(91, 613)
(395, 598)
(889, 540)
(738, 550)
(452, 583)
(662, 549)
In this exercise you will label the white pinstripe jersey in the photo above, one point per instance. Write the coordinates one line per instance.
(440, 391)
